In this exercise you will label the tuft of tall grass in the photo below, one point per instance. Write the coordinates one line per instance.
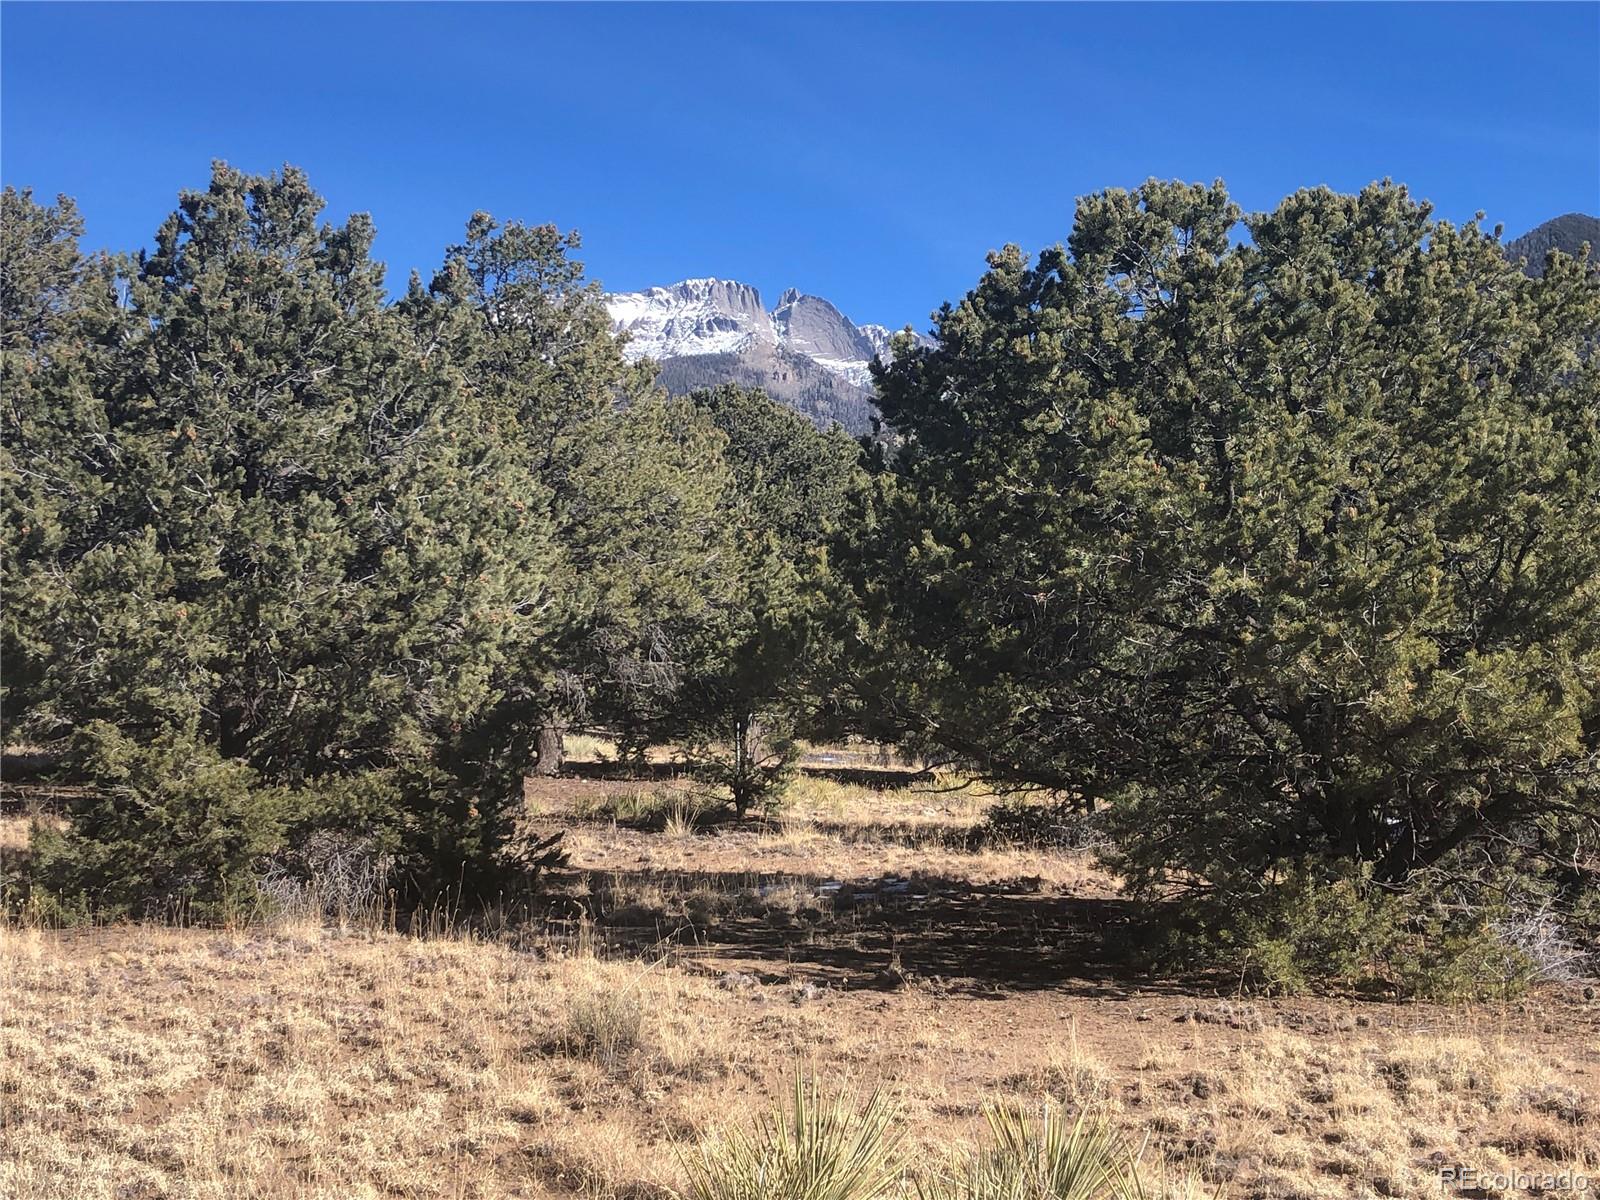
(683, 818)
(588, 747)
(822, 1147)
(607, 1026)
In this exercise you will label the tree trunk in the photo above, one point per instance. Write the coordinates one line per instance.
(745, 734)
(232, 737)
(1413, 853)
(552, 752)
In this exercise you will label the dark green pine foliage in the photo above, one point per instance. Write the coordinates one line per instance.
(755, 669)
(58, 318)
(1287, 550)
(652, 560)
(262, 549)
(622, 481)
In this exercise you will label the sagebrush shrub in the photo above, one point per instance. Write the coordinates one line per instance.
(605, 1025)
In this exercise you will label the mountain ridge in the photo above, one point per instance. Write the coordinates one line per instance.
(804, 352)
(1567, 233)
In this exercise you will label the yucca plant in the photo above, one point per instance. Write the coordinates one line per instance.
(822, 1147)
(1053, 1158)
(1161, 1180)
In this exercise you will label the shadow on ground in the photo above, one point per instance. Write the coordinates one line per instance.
(886, 933)
(877, 778)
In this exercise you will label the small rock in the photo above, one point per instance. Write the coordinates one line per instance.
(1234, 1016)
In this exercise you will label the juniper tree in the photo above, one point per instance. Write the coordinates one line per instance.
(58, 317)
(347, 556)
(625, 479)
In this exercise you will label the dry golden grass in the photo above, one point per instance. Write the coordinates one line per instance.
(16, 829)
(825, 830)
(151, 1062)
(14, 833)
(299, 1062)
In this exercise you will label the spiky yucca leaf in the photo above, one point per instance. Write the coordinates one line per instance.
(1048, 1159)
(823, 1147)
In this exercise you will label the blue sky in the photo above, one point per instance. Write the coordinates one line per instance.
(868, 153)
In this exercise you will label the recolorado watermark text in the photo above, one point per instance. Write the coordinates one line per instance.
(1471, 1178)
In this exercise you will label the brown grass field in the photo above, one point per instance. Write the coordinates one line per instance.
(687, 969)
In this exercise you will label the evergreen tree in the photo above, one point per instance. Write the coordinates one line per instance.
(58, 318)
(623, 480)
(286, 548)
(350, 559)
(755, 668)
(1287, 548)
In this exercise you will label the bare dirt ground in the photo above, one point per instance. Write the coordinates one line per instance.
(688, 967)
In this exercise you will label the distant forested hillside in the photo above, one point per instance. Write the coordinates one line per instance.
(789, 378)
(1567, 234)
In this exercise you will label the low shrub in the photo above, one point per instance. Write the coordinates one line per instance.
(330, 875)
(605, 1025)
(170, 828)
(1553, 943)
(1319, 924)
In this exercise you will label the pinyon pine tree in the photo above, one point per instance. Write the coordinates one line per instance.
(623, 481)
(1284, 547)
(754, 668)
(256, 515)
(285, 557)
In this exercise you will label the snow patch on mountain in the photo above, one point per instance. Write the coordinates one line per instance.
(858, 373)
(696, 316)
(878, 338)
(722, 316)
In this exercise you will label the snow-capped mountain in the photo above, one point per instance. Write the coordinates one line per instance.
(811, 326)
(879, 335)
(697, 316)
(804, 352)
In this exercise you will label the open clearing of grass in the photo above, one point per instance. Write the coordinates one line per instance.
(689, 967)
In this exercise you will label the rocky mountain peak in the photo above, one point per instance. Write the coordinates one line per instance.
(812, 326)
(694, 316)
(804, 352)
